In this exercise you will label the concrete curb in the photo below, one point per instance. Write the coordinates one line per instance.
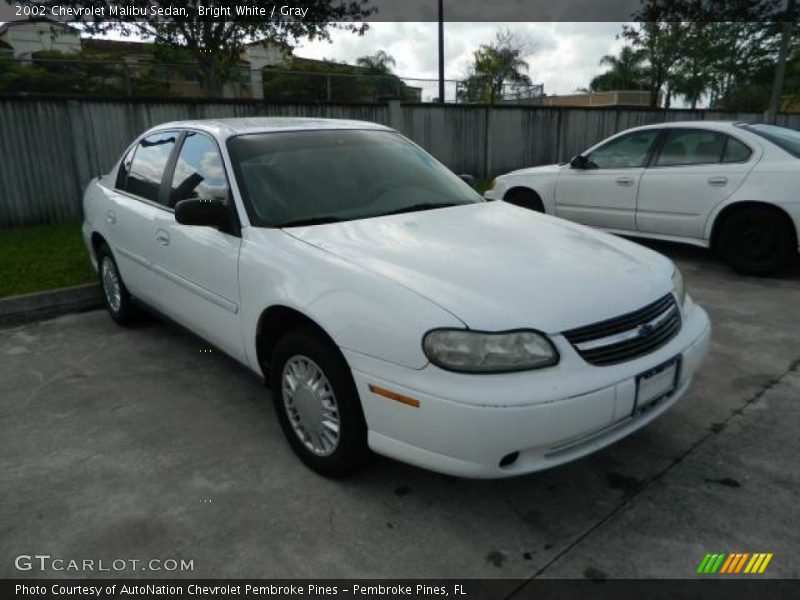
(15, 310)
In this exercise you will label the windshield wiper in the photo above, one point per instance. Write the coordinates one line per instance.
(417, 207)
(311, 221)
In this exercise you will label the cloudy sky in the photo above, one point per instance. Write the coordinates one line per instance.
(565, 55)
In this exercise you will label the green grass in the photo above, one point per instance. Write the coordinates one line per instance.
(44, 257)
(482, 185)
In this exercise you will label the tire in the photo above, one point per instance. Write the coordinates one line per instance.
(757, 241)
(118, 301)
(525, 198)
(303, 354)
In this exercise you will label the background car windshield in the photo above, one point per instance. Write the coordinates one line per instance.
(786, 138)
(338, 174)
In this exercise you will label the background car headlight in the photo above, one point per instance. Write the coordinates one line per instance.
(679, 286)
(481, 352)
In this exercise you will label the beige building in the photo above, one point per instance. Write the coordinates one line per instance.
(600, 99)
(27, 37)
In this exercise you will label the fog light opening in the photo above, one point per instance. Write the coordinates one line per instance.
(509, 459)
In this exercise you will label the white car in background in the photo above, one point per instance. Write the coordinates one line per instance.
(733, 187)
(387, 304)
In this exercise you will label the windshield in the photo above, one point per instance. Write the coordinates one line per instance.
(786, 138)
(323, 176)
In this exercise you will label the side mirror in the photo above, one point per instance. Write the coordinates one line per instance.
(209, 213)
(468, 179)
(579, 162)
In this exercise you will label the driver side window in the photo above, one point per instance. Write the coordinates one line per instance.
(626, 152)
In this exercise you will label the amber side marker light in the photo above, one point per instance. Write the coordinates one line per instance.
(394, 396)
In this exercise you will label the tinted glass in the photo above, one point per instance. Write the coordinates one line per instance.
(786, 138)
(691, 147)
(339, 175)
(198, 171)
(736, 151)
(628, 151)
(149, 162)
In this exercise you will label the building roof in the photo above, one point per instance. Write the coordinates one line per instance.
(103, 45)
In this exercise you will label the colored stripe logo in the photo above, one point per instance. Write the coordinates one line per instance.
(736, 563)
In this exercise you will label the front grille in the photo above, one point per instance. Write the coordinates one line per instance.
(628, 336)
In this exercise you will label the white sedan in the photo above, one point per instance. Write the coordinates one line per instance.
(732, 187)
(390, 307)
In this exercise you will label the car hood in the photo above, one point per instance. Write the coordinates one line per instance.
(496, 266)
(541, 170)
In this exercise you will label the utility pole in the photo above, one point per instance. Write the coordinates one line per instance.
(787, 28)
(441, 51)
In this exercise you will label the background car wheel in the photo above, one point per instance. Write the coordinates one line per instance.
(525, 198)
(117, 299)
(317, 403)
(756, 241)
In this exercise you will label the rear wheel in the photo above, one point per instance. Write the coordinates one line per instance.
(757, 241)
(525, 198)
(117, 299)
(317, 403)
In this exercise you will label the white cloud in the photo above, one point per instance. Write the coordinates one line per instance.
(566, 55)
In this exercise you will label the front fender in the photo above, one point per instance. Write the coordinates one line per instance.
(361, 311)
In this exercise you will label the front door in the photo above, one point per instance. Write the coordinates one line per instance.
(604, 194)
(199, 266)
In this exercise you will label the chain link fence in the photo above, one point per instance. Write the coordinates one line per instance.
(157, 79)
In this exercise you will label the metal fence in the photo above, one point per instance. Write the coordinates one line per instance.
(50, 148)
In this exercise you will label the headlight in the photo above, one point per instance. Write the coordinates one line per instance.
(491, 185)
(679, 286)
(480, 352)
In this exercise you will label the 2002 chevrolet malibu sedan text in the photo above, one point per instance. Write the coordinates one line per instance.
(388, 305)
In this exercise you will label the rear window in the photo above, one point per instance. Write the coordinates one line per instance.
(783, 137)
(148, 165)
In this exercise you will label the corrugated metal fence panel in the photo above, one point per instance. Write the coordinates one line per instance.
(453, 134)
(519, 138)
(51, 148)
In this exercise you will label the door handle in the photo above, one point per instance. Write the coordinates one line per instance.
(717, 181)
(111, 217)
(162, 237)
(625, 181)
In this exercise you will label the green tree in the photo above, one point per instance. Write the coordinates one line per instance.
(496, 66)
(625, 72)
(217, 46)
(379, 64)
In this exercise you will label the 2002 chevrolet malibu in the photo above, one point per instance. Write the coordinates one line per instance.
(389, 306)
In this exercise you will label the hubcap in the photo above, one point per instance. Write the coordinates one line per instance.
(111, 284)
(310, 405)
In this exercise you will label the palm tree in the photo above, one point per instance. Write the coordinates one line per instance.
(626, 72)
(379, 63)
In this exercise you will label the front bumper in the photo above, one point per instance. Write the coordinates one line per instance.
(465, 424)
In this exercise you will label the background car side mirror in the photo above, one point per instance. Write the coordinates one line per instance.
(209, 213)
(468, 179)
(579, 162)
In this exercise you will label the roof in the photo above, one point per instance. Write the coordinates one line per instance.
(228, 127)
(708, 124)
(104, 45)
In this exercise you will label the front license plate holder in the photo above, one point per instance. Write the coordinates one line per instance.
(656, 384)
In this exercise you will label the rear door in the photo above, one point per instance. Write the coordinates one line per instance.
(692, 172)
(135, 209)
(198, 267)
(604, 195)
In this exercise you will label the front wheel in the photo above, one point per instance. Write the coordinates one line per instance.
(757, 242)
(525, 198)
(317, 404)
